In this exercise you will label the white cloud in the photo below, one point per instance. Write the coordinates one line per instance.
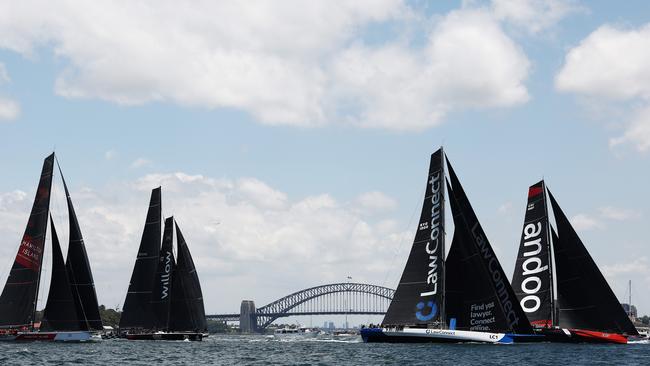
(534, 16)
(140, 162)
(505, 208)
(376, 202)
(293, 62)
(583, 222)
(613, 64)
(9, 109)
(637, 131)
(245, 244)
(110, 154)
(618, 214)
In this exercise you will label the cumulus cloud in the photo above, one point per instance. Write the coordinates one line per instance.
(618, 214)
(534, 16)
(294, 63)
(9, 109)
(140, 162)
(249, 240)
(584, 222)
(376, 201)
(595, 69)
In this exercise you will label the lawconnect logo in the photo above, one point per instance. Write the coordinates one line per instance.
(433, 310)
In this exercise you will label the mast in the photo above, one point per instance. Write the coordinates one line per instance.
(549, 248)
(443, 310)
(630, 299)
(19, 296)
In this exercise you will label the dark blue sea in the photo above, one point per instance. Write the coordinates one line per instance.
(323, 350)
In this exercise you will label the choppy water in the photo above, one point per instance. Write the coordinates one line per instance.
(263, 350)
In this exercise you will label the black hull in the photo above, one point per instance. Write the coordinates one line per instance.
(165, 336)
(556, 335)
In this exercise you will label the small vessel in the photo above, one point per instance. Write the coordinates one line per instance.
(465, 298)
(71, 313)
(164, 300)
(558, 284)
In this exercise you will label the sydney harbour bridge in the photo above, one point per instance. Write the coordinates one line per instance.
(333, 299)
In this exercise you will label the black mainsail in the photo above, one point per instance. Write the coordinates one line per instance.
(506, 301)
(585, 300)
(79, 273)
(137, 306)
(188, 313)
(60, 312)
(419, 298)
(18, 299)
(532, 279)
(161, 299)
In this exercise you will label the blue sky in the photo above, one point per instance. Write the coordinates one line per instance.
(292, 140)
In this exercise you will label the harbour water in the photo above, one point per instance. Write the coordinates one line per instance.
(322, 350)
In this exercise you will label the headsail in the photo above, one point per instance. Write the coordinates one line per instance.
(161, 299)
(79, 273)
(18, 299)
(60, 312)
(188, 313)
(137, 306)
(507, 300)
(470, 296)
(419, 296)
(532, 280)
(585, 300)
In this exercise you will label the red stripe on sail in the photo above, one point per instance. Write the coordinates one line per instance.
(30, 253)
(534, 191)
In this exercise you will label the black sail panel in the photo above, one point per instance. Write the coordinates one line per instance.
(18, 299)
(188, 312)
(470, 297)
(137, 306)
(60, 312)
(532, 274)
(507, 300)
(163, 286)
(418, 297)
(79, 273)
(585, 300)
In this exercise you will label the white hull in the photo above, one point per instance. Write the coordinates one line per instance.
(77, 336)
(435, 336)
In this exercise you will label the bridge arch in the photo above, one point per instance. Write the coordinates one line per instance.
(283, 307)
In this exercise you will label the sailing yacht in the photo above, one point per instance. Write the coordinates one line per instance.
(71, 313)
(164, 300)
(558, 284)
(465, 298)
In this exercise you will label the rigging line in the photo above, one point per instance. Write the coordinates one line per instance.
(391, 268)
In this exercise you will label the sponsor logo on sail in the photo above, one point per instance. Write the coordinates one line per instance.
(532, 267)
(164, 278)
(500, 284)
(433, 310)
(433, 244)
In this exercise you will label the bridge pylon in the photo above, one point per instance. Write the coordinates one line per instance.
(247, 317)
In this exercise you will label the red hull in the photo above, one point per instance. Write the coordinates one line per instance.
(598, 337)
